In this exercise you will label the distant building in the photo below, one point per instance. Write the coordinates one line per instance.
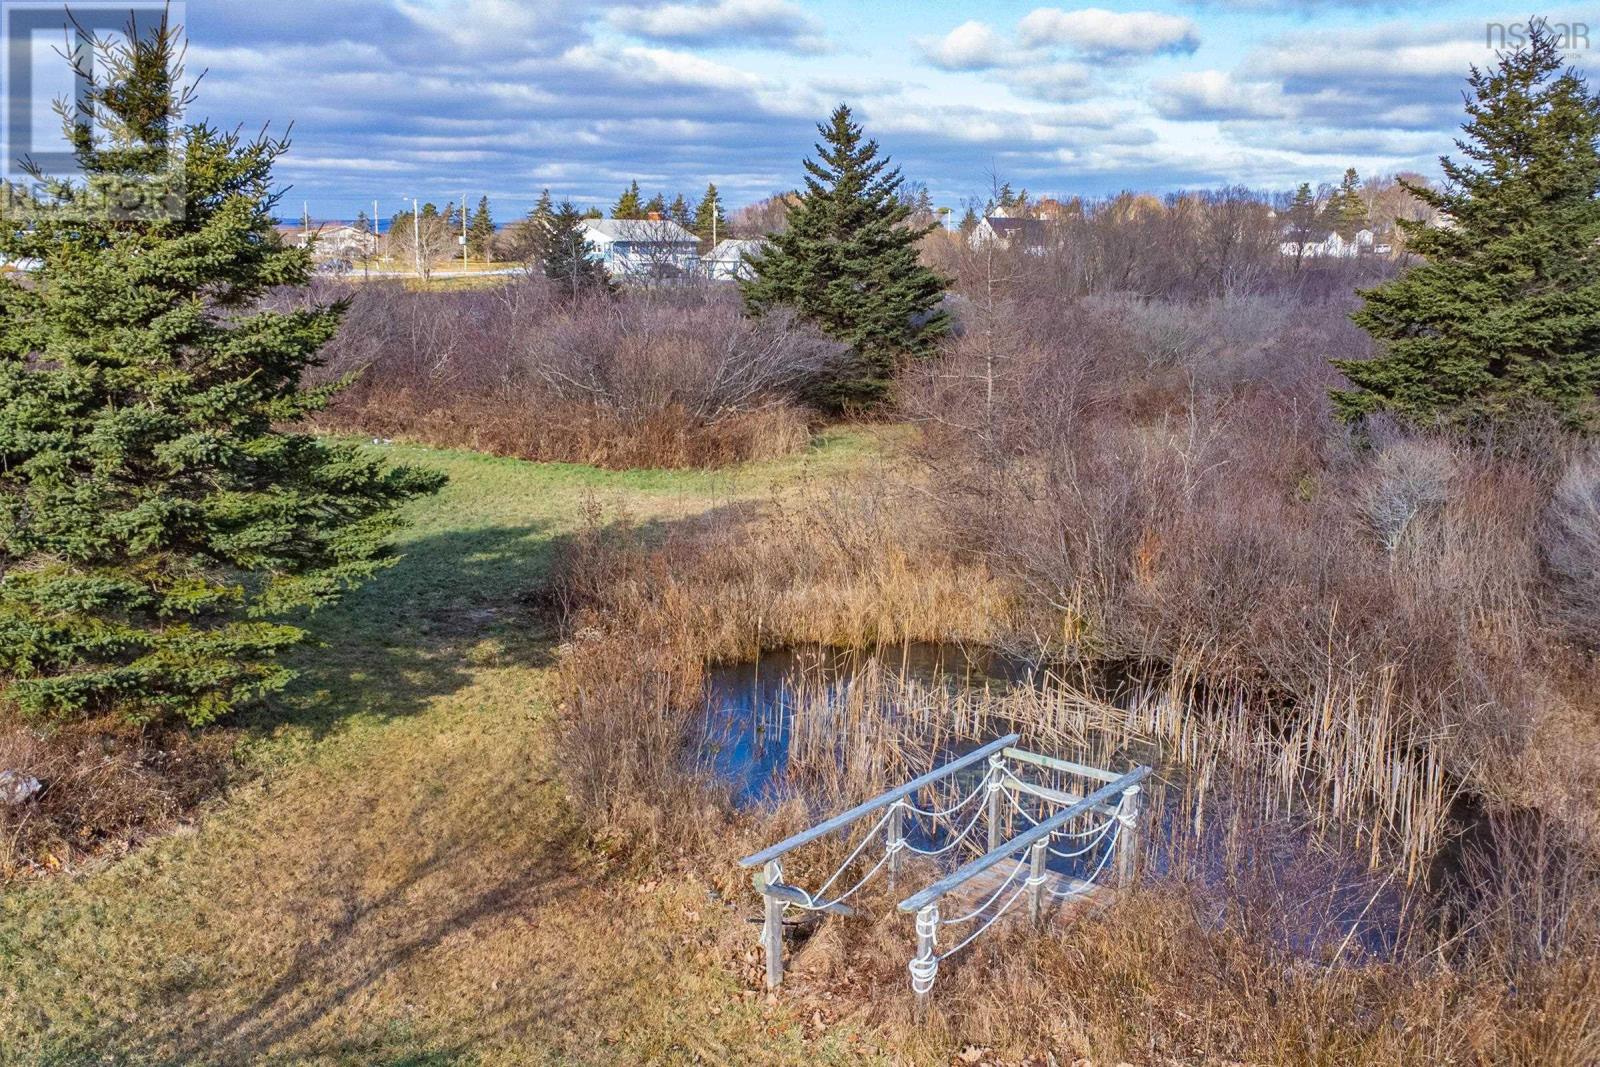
(729, 260)
(1329, 245)
(330, 240)
(643, 248)
(1008, 232)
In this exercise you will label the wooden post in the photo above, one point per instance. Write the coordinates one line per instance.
(1128, 836)
(925, 966)
(896, 835)
(772, 930)
(995, 763)
(1037, 856)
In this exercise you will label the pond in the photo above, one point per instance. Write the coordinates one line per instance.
(826, 724)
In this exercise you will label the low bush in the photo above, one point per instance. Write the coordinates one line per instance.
(1206, 960)
(1211, 514)
(645, 379)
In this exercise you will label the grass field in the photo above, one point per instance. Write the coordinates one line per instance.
(399, 878)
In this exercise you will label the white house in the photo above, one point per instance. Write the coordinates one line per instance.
(727, 262)
(1331, 246)
(1006, 231)
(643, 248)
(330, 240)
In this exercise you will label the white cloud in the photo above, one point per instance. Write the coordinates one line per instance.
(1216, 94)
(726, 24)
(1373, 57)
(492, 27)
(1096, 31)
(660, 66)
(970, 46)
(1055, 82)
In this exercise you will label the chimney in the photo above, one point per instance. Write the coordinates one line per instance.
(654, 216)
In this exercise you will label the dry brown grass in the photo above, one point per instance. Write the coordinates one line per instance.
(531, 427)
(106, 785)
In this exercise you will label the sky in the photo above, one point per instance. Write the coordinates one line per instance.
(391, 99)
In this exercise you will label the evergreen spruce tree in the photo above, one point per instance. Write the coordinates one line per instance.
(569, 259)
(848, 262)
(480, 230)
(709, 221)
(678, 211)
(1503, 315)
(363, 224)
(543, 209)
(155, 524)
(525, 239)
(540, 222)
(1346, 211)
(656, 207)
(628, 205)
(1302, 226)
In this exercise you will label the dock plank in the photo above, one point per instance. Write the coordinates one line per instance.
(982, 886)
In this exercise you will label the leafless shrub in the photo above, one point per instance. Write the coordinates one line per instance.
(1363, 620)
(656, 378)
(1571, 543)
(1409, 479)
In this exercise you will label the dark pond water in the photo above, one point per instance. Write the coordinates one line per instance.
(1275, 873)
(750, 707)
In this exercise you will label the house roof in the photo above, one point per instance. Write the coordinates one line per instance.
(1031, 230)
(640, 230)
(733, 249)
(318, 229)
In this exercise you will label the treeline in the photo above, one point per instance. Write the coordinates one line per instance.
(1379, 203)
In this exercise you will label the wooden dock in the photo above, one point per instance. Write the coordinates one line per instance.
(1013, 867)
(1062, 895)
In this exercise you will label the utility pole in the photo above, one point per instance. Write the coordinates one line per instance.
(377, 230)
(416, 235)
(464, 264)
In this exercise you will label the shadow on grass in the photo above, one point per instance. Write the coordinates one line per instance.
(322, 979)
(452, 600)
(409, 635)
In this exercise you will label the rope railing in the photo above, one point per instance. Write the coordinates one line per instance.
(897, 844)
(1028, 878)
(1024, 786)
(1035, 846)
(924, 967)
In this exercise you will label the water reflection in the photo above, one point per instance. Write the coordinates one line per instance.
(750, 707)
